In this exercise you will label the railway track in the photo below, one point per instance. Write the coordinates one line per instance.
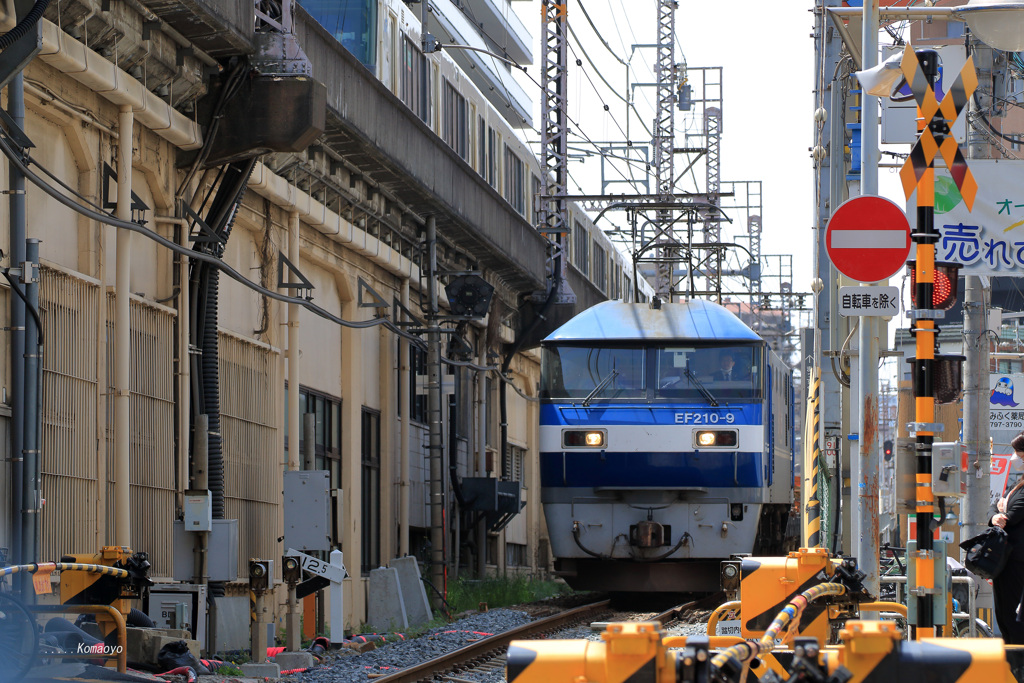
(487, 656)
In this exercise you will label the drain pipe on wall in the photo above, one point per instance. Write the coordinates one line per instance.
(403, 438)
(122, 333)
(32, 496)
(16, 189)
(294, 420)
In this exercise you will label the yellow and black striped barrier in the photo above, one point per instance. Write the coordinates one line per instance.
(812, 504)
(49, 567)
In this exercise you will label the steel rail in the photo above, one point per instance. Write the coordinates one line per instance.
(479, 650)
(700, 603)
(673, 613)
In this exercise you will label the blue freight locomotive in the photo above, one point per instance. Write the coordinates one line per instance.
(666, 446)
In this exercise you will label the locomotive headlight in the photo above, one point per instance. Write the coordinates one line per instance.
(584, 438)
(715, 438)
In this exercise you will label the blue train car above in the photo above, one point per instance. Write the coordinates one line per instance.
(666, 446)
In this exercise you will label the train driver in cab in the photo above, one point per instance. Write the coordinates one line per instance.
(727, 370)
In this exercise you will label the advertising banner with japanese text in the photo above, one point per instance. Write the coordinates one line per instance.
(990, 239)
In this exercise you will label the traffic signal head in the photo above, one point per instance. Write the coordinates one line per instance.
(291, 569)
(945, 284)
(887, 449)
(261, 574)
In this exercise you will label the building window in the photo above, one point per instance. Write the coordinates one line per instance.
(515, 191)
(370, 490)
(418, 384)
(512, 468)
(457, 414)
(412, 77)
(417, 379)
(581, 248)
(455, 126)
(492, 436)
(491, 556)
(326, 412)
(600, 268)
(481, 147)
(515, 555)
(353, 23)
(491, 176)
(534, 201)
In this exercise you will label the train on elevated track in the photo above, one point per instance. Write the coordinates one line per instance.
(666, 446)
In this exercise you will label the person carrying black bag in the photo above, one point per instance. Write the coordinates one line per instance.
(1008, 587)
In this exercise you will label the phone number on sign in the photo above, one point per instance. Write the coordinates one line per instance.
(1006, 424)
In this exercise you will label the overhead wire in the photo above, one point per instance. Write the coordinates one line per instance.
(600, 75)
(607, 109)
(578, 131)
(629, 63)
(629, 67)
(600, 37)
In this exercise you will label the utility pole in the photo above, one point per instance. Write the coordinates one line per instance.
(829, 327)
(974, 514)
(712, 177)
(664, 143)
(865, 466)
(976, 417)
(554, 175)
(435, 447)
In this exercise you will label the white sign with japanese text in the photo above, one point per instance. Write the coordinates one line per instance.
(870, 300)
(1006, 411)
(990, 239)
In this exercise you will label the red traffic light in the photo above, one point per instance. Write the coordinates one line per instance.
(944, 288)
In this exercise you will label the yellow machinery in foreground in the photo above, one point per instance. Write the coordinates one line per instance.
(805, 593)
(106, 588)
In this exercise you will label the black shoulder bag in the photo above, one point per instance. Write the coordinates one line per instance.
(987, 553)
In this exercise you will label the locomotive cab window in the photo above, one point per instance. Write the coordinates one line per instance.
(595, 373)
(724, 372)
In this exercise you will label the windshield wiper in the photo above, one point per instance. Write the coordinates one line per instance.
(702, 389)
(601, 385)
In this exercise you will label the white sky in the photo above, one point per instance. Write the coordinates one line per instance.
(767, 55)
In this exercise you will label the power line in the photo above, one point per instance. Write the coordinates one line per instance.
(610, 87)
(599, 36)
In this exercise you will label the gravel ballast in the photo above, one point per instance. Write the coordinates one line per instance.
(348, 666)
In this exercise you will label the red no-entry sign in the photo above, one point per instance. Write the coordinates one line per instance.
(868, 238)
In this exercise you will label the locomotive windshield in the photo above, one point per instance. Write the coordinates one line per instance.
(607, 373)
(665, 373)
